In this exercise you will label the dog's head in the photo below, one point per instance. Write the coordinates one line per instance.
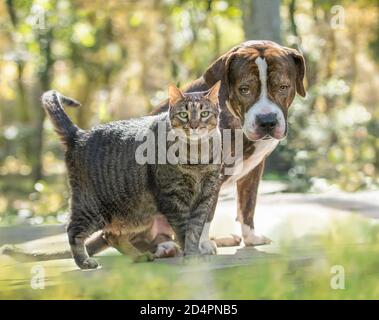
(259, 82)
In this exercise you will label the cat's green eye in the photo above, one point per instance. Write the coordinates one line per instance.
(183, 115)
(204, 114)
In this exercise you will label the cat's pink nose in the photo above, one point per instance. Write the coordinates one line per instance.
(194, 125)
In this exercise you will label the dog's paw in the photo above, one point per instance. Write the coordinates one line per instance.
(167, 249)
(208, 247)
(252, 238)
(89, 263)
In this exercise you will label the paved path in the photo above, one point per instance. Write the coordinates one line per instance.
(277, 215)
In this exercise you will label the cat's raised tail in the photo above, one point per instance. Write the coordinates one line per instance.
(52, 102)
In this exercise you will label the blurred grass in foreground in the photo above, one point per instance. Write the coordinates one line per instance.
(302, 271)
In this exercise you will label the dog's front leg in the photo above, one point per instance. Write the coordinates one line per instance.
(247, 189)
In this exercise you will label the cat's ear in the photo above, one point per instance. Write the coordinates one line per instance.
(212, 95)
(174, 94)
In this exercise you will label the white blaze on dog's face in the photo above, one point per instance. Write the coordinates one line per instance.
(264, 113)
(262, 84)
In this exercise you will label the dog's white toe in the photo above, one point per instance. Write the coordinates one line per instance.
(252, 238)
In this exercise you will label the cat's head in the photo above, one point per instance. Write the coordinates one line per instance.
(196, 113)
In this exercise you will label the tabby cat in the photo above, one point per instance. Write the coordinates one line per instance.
(112, 192)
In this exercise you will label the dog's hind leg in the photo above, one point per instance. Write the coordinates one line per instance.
(123, 245)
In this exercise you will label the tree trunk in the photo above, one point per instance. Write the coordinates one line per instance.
(45, 38)
(261, 20)
(291, 11)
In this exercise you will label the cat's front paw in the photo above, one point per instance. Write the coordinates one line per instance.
(208, 247)
(167, 249)
(89, 263)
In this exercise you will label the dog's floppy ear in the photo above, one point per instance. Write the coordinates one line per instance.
(300, 70)
(219, 70)
(216, 70)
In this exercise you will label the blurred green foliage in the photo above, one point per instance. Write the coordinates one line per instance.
(117, 59)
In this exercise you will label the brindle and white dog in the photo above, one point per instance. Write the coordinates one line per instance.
(259, 82)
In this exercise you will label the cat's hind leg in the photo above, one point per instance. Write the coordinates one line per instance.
(96, 244)
(78, 230)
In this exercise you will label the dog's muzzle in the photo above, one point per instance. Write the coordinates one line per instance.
(262, 125)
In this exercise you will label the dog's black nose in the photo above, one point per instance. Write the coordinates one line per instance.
(267, 122)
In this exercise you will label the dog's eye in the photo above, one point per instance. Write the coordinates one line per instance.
(204, 114)
(283, 87)
(244, 90)
(183, 115)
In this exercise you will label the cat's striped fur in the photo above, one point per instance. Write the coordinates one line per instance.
(110, 191)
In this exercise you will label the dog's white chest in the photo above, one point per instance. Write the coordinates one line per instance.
(262, 149)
